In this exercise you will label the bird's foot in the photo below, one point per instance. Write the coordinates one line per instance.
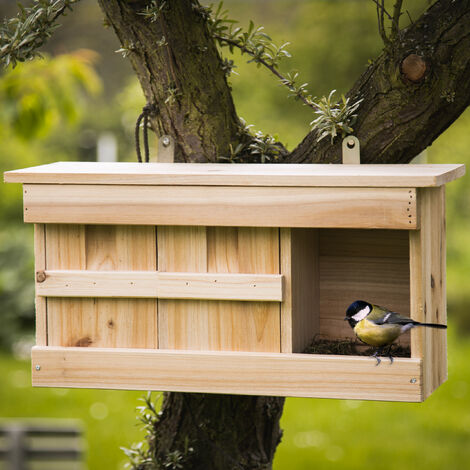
(376, 356)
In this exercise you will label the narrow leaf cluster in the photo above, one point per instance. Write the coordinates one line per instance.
(21, 36)
(254, 147)
(334, 117)
(254, 41)
(152, 11)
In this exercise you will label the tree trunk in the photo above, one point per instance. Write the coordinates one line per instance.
(411, 94)
(181, 73)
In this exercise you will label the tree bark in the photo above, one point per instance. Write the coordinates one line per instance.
(411, 93)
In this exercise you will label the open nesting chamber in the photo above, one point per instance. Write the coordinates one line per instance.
(221, 278)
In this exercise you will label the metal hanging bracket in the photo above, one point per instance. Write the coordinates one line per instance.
(351, 150)
(166, 149)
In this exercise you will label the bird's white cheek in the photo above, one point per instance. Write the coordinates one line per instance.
(361, 314)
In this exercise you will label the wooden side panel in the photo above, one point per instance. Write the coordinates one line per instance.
(240, 206)
(40, 265)
(101, 322)
(219, 325)
(245, 373)
(428, 287)
(300, 311)
(370, 265)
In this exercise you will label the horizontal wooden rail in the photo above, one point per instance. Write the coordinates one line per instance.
(149, 284)
(277, 206)
(247, 373)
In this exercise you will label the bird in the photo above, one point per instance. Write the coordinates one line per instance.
(380, 327)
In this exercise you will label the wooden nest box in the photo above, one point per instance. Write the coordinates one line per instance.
(214, 278)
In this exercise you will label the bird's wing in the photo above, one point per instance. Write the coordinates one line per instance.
(382, 316)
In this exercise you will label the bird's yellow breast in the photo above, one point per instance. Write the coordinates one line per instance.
(376, 335)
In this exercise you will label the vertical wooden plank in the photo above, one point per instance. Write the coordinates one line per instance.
(219, 325)
(65, 249)
(40, 265)
(285, 255)
(300, 311)
(244, 326)
(428, 299)
(102, 322)
(182, 249)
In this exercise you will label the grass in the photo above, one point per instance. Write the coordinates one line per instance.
(345, 434)
(108, 416)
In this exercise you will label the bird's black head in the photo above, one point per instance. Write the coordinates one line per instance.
(357, 311)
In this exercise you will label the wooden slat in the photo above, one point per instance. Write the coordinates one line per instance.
(428, 278)
(39, 266)
(278, 374)
(238, 175)
(134, 284)
(300, 312)
(217, 206)
(219, 325)
(180, 322)
(101, 322)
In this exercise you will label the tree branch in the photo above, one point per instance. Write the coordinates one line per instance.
(396, 20)
(284, 80)
(23, 35)
(411, 93)
(381, 20)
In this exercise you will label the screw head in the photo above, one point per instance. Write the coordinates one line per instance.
(38, 367)
(413, 380)
(166, 141)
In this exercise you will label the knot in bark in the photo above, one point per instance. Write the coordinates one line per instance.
(413, 68)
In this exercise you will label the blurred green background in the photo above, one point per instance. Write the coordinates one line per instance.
(83, 92)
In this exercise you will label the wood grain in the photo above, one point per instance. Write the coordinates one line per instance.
(428, 288)
(101, 322)
(207, 174)
(149, 284)
(222, 206)
(39, 266)
(300, 311)
(219, 325)
(298, 375)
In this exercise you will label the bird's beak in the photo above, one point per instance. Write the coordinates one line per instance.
(345, 318)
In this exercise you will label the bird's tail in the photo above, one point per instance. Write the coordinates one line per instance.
(431, 325)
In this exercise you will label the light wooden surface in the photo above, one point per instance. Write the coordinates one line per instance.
(101, 322)
(297, 375)
(148, 284)
(218, 325)
(371, 265)
(221, 206)
(39, 266)
(300, 312)
(238, 175)
(428, 288)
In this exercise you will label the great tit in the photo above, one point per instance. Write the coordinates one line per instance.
(378, 326)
